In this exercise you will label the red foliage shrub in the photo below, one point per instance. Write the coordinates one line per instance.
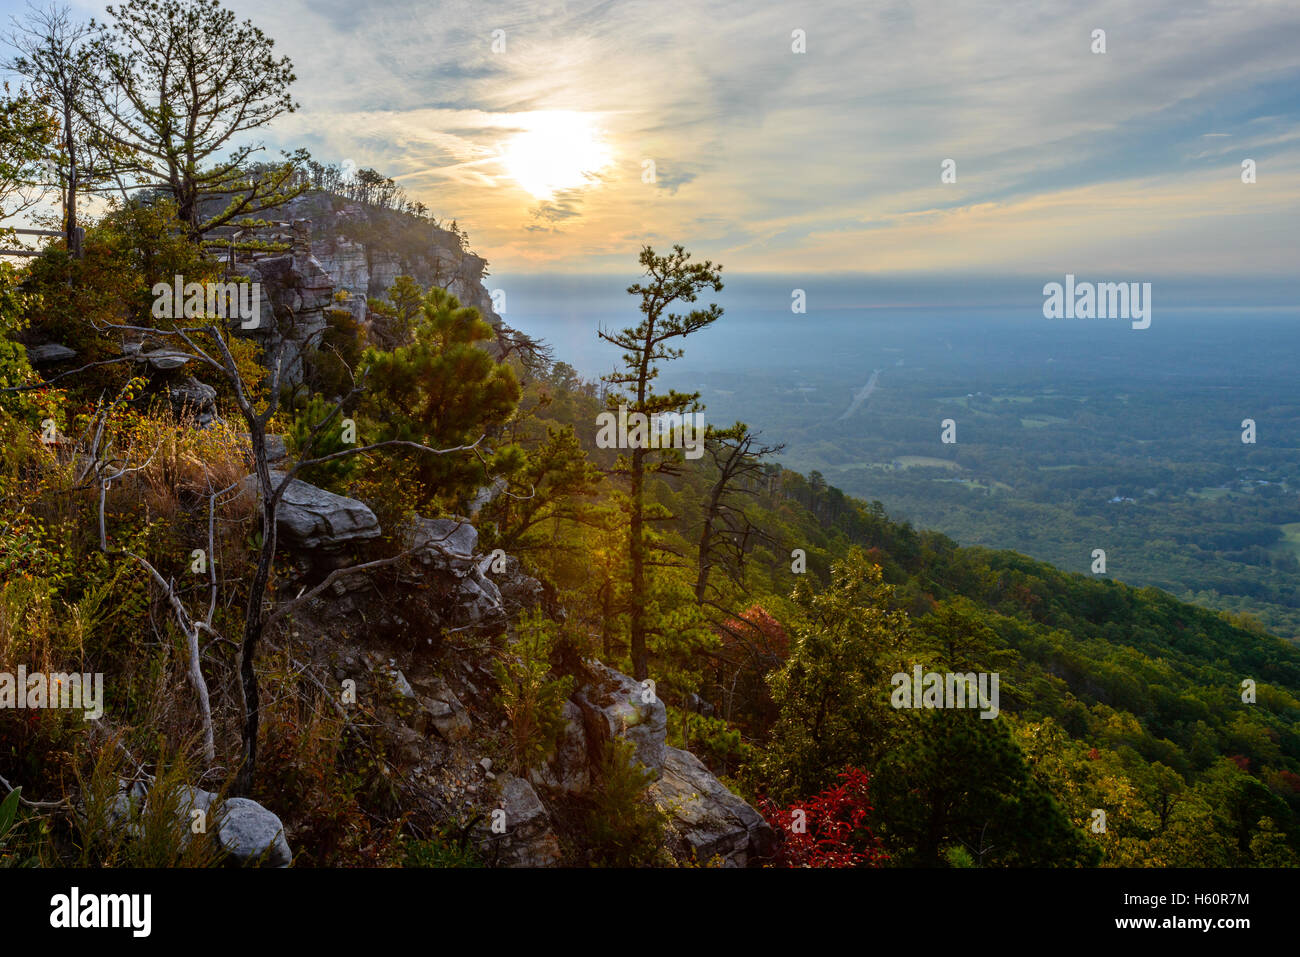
(829, 829)
(759, 633)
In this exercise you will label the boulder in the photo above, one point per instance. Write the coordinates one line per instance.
(312, 518)
(163, 360)
(569, 769)
(706, 819)
(519, 592)
(242, 828)
(437, 709)
(469, 598)
(478, 603)
(613, 704)
(449, 541)
(528, 840)
(276, 449)
(193, 397)
(251, 834)
(446, 715)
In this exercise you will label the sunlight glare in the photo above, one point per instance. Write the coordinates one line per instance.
(559, 150)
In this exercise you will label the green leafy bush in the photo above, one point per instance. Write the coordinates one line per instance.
(531, 695)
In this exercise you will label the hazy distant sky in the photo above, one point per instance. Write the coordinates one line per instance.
(1126, 163)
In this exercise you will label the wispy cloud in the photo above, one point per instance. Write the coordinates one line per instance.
(827, 160)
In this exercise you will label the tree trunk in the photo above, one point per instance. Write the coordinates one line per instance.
(71, 235)
(704, 562)
(253, 617)
(640, 662)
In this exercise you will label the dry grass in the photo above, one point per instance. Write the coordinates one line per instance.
(187, 464)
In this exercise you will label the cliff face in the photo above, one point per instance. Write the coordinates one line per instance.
(344, 246)
(363, 249)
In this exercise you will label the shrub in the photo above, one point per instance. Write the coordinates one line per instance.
(531, 696)
(333, 475)
(829, 829)
(623, 828)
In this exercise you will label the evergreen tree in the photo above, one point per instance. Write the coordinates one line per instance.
(444, 389)
(668, 279)
(833, 690)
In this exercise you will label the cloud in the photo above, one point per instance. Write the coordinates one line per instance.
(830, 159)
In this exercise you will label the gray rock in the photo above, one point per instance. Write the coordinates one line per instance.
(400, 684)
(528, 840)
(251, 834)
(444, 539)
(487, 495)
(193, 397)
(193, 799)
(569, 769)
(276, 450)
(296, 294)
(312, 518)
(127, 803)
(479, 602)
(446, 714)
(612, 705)
(49, 352)
(164, 359)
(519, 592)
(445, 547)
(708, 821)
(243, 829)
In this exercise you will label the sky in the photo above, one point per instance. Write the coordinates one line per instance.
(532, 125)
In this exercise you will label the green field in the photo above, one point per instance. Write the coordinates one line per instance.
(1290, 539)
(925, 461)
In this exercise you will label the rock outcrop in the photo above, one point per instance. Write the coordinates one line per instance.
(708, 821)
(569, 771)
(251, 834)
(439, 728)
(312, 518)
(295, 294)
(445, 548)
(193, 398)
(524, 836)
(363, 249)
(245, 832)
(614, 705)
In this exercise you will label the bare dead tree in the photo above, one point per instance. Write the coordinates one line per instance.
(54, 57)
(726, 532)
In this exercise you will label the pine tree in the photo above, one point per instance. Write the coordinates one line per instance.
(669, 279)
(444, 389)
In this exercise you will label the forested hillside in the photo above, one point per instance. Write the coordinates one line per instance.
(1114, 698)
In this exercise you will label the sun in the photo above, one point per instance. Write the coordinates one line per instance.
(558, 150)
